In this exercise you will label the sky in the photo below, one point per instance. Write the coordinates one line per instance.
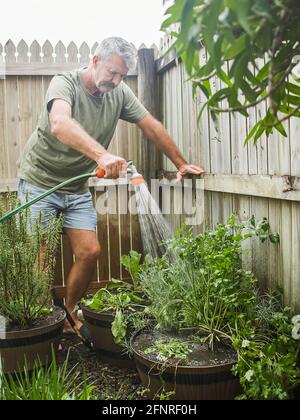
(138, 21)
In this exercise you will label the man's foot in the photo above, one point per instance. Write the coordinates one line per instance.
(68, 329)
(83, 333)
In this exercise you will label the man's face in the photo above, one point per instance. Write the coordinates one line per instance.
(109, 74)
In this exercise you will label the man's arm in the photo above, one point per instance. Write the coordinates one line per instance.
(156, 133)
(69, 132)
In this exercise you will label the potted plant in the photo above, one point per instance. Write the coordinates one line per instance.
(116, 309)
(30, 325)
(213, 328)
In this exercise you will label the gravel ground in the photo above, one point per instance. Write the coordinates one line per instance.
(111, 382)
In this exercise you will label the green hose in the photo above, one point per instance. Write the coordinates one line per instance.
(45, 194)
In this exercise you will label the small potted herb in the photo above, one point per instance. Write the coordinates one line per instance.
(30, 325)
(213, 328)
(116, 309)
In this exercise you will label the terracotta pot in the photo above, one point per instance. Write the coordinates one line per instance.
(31, 344)
(99, 325)
(186, 382)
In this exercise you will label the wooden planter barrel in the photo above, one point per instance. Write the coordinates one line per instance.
(187, 383)
(99, 325)
(31, 344)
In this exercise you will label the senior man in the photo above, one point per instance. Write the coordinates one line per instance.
(79, 117)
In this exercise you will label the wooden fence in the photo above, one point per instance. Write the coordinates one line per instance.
(25, 74)
(261, 180)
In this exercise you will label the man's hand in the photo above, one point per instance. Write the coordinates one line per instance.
(187, 169)
(114, 166)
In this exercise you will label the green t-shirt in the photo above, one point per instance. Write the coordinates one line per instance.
(46, 161)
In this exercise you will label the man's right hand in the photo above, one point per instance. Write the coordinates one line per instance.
(114, 166)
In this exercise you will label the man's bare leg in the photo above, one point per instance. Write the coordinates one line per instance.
(86, 248)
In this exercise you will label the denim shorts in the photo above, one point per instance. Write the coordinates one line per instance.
(77, 209)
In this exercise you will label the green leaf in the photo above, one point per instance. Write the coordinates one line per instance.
(259, 132)
(219, 96)
(292, 100)
(239, 68)
(132, 263)
(289, 110)
(264, 72)
(274, 238)
(176, 12)
(224, 77)
(293, 88)
(262, 8)
(279, 127)
(241, 9)
(252, 132)
(250, 95)
(206, 88)
(118, 327)
(237, 47)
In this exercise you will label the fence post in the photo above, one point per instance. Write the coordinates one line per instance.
(149, 156)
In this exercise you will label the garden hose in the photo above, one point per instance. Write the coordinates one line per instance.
(100, 173)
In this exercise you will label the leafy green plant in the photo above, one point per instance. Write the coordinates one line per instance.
(120, 304)
(132, 262)
(268, 355)
(51, 383)
(125, 301)
(27, 263)
(236, 35)
(206, 290)
(172, 349)
(221, 248)
(205, 287)
(183, 297)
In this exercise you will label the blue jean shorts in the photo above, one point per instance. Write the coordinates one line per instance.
(77, 209)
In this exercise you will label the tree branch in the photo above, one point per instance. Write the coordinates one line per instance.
(287, 117)
(252, 104)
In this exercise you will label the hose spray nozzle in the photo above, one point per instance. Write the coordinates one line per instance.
(136, 178)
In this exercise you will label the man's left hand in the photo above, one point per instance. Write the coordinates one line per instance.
(187, 169)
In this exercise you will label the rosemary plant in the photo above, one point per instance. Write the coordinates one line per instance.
(27, 263)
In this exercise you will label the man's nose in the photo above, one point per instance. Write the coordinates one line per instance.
(117, 79)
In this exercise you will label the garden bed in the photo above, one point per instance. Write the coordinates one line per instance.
(111, 382)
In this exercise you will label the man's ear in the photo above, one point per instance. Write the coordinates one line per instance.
(96, 59)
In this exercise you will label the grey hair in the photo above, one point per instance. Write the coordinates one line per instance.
(118, 46)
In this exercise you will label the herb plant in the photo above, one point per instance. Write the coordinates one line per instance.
(125, 301)
(268, 355)
(132, 262)
(172, 349)
(205, 287)
(121, 304)
(27, 263)
(206, 290)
